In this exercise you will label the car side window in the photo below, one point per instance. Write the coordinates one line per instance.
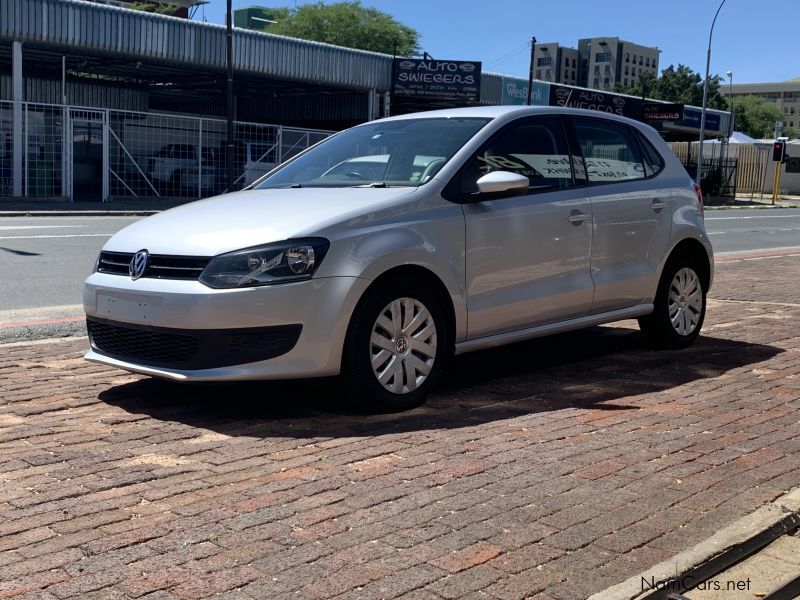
(653, 161)
(535, 148)
(610, 151)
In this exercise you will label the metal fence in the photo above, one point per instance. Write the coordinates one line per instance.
(88, 154)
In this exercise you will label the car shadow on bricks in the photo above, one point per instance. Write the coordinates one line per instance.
(603, 368)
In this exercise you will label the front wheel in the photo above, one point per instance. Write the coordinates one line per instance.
(395, 346)
(679, 307)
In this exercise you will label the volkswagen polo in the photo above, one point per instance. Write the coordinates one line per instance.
(477, 227)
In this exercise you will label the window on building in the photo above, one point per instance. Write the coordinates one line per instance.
(640, 60)
(597, 69)
(603, 57)
(545, 61)
(627, 57)
(538, 73)
(634, 59)
(608, 69)
(596, 82)
(647, 61)
(626, 82)
(574, 64)
(606, 82)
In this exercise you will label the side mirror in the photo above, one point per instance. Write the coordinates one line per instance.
(498, 182)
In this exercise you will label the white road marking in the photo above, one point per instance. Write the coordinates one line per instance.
(753, 217)
(39, 237)
(756, 230)
(15, 227)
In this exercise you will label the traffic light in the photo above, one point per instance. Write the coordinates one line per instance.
(779, 152)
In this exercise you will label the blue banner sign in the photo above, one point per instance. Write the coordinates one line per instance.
(515, 91)
(691, 118)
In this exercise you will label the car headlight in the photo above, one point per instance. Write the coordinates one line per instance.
(292, 260)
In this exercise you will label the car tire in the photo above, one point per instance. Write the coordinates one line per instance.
(679, 307)
(395, 347)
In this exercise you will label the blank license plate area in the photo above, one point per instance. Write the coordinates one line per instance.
(129, 307)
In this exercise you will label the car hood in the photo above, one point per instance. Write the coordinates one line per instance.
(242, 219)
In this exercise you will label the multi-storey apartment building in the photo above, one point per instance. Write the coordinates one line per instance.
(556, 63)
(597, 63)
(785, 95)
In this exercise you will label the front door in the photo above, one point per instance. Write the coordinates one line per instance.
(87, 160)
(527, 256)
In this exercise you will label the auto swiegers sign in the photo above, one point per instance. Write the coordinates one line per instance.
(453, 79)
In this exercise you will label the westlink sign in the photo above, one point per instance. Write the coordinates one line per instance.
(625, 106)
(659, 111)
(449, 79)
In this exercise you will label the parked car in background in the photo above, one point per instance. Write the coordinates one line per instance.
(182, 169)
(388, 247)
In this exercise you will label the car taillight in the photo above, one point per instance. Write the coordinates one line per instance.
(699, 193)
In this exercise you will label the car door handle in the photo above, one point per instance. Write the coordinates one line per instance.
(577, 217)
(658, 205)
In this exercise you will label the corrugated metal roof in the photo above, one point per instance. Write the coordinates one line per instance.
(119, 32)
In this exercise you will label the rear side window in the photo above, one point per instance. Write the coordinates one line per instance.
(610, 151)
(653, 162)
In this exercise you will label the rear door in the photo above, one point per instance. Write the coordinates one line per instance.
(632, 214)
(527, 260)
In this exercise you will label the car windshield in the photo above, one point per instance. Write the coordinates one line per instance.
(405, 152)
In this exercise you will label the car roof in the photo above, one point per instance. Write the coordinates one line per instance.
(510, 112)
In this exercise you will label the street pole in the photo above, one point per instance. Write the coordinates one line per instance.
(530, 71)
(698, 178)
(231, 144)
(724, 152)
(730, 102)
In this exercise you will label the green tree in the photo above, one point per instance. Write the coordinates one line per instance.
(347, 24)
(755, 116)
(161, 9)
(680, 84)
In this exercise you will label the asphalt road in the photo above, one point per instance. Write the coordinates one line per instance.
(44, 260)
(752, 230)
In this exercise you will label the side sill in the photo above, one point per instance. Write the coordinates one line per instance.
(501, 339)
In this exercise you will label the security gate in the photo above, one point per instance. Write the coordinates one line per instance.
(87, 148)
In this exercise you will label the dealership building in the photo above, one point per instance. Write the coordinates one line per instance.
(99, 102)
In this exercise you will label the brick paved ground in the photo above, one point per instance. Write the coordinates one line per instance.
(550, 469)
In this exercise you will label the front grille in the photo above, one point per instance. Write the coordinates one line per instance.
(189, 348)
(159, 266)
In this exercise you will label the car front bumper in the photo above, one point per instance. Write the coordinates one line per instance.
(297, 329)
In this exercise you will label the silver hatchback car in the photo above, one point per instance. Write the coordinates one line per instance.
(390, 246)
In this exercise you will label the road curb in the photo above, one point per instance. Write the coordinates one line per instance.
(713, 555)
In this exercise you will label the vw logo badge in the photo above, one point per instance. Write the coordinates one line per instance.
(138, 264)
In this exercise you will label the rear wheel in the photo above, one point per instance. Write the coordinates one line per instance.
(679, 307)
(395, 347)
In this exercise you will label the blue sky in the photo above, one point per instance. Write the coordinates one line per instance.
(497, 33)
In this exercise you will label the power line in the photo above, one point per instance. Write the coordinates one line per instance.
(509, 55)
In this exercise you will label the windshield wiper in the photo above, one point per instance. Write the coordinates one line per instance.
(379, 184)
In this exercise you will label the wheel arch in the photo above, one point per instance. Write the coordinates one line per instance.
(693, 248)
(430, 280)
